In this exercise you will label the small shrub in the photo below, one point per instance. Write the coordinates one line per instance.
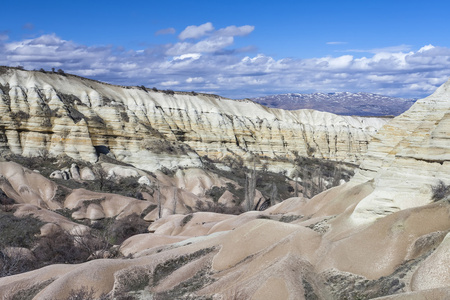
(4, 199)
(186, 219)
(310, 150)
(219, 208)
(65, 212)
(186, 288)
(168, 92)
(318, 174)
(125, 186)
(15, 263)
(60, 248)
(167, 171)
(309, 291)
(169, 266)
(124, 228)
(61, 194)
(290, 218)
(148, 210)
(215, 193)
(18, 232)
(30, 292)
(124, 116)
(440, 191)
(45, 164)
(4, 69)
(82, 293)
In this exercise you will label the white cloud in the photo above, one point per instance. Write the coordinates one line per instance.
(392, 49)
(195, 80)
(170, 83)
(208, 45)
(332, 63)
(213, 44)
(211, 64)
(195, 32)
(381, 78)
(213, 40)
(193, 56)
(425, 48)
(207, 29)
(235, 31)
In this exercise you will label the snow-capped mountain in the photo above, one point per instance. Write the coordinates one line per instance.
(342, 103)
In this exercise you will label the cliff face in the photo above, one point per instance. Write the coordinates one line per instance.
(52, 113)
(382, 234)
(407, 158)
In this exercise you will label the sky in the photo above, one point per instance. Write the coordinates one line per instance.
(236, 49)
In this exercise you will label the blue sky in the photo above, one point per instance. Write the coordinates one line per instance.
(236, 48)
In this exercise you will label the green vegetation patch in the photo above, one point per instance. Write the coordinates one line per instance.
(186, 219)
(290, 218)
(18, 232)
(30, 292)
(215, 193)
(168, 267)
(135, 279)
(186, 288)
(440, 191)
(309, 291)
(345, 286)
(149, 208)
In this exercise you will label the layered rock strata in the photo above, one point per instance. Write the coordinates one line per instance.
(361, 240)
(408, 158)
(48, 113)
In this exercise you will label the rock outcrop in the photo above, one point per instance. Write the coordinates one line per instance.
(407, 159)
(48, 113)
(385, 233)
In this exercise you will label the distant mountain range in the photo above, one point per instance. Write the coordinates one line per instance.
(341, 103)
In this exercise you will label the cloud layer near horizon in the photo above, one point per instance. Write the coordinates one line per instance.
(204, 60)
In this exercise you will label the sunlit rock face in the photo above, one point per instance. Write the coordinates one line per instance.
(379, 235)
(407, 158)
(26, 186)
(48, 113)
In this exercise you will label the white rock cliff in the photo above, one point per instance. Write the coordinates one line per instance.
(407, 158)
(64, 114)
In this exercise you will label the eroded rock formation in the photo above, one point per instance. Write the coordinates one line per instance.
(385, 233)
(48, 113)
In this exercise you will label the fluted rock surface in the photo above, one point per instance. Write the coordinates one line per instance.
(50, 113)
(407, 158)
(381, 234)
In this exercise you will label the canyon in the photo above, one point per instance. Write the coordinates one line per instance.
(382, 234)
(55, 114)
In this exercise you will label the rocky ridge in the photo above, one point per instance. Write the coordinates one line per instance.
(385, 233)
(49, 113)
(408, 157)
